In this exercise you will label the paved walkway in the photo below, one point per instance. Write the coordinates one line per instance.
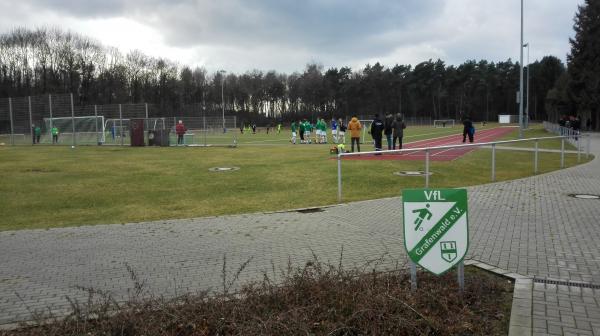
(529, 226)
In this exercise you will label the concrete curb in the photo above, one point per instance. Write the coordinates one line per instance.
(522, 305)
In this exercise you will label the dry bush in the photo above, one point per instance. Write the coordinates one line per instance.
(316, 299)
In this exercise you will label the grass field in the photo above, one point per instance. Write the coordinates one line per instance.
(47, 186)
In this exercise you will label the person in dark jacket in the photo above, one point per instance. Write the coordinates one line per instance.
(388, 130)
(468, 129)
(398, 127)
(377, 128)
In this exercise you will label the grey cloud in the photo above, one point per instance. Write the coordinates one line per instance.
(324, 26)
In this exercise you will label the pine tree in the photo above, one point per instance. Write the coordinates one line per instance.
(584, 63)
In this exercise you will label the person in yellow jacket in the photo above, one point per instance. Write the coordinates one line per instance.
(354, 127)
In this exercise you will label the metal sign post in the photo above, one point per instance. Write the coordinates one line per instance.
(435, 225)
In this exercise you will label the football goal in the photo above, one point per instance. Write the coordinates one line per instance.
(365, 137)
(86, 130)
(441, 123)
(116, 130)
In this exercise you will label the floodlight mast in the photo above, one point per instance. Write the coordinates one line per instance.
(521, 78)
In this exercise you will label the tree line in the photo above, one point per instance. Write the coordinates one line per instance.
(49, 60)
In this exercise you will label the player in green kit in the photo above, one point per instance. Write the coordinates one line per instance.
(293, 126)
(307, 130)
(324, 130)
(278, 128)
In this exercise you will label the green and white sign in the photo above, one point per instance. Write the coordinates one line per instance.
(436, 234)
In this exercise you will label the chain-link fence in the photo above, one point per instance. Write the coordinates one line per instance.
(55, 119)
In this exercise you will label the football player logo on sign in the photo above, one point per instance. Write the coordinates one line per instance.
(436, 234)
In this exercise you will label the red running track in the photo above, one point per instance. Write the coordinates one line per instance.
(485, 135)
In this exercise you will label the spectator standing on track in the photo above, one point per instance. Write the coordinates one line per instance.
(468, 129)
(341, 138)
(377, 128)
(354, 126)
(388, 130)
(398, 127)
(180, 130)
(54, 135)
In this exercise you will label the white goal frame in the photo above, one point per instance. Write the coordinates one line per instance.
(98, 128)
(366, 128)
(441, 123)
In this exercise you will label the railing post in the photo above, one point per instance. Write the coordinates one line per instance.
(493, 162)
(339, 177)
(535, 161)
(427, 168)
(121, 123)
(562, 153)
(30, 117)
(579, 148)
(12, 129)
(587, 152)
(74, 141)
(146, 108)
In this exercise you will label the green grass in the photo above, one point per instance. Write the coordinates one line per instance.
(56, 186)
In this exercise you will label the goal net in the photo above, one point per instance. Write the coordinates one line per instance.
(86, 130)
(441, 123)
(116, 130)
(205, 131)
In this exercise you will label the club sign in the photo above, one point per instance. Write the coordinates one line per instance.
(436, 234)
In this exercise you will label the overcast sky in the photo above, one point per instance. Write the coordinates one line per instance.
(285, 35)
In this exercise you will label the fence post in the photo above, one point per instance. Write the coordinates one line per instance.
(535, 165)
(146, 107)
(339, 169)
(427, 168)
(96, 124)
(30, 117)
(73, 120)
(10, 114)
(493, 162)
(562, 153)
(50, 109)
(121, 123)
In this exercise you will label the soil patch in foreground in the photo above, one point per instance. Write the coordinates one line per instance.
(314, 300)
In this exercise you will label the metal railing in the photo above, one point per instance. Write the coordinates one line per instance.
(571, 134)
(493, 145)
